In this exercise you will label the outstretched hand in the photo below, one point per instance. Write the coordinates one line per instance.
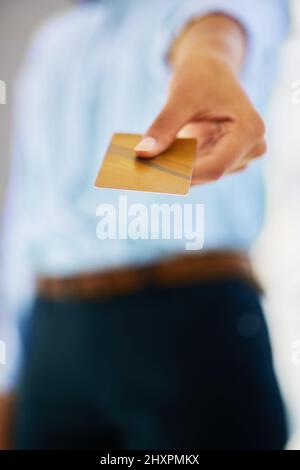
(207, 102)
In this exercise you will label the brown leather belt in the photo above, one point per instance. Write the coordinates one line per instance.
(177, 271)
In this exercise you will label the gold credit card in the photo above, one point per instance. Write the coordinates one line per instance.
(170, 172)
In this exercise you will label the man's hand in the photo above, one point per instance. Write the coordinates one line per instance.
(7, 403)
(207, 102)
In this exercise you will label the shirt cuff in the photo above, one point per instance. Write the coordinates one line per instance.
(252, 16)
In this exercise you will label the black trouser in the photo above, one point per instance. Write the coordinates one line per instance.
(184, 368)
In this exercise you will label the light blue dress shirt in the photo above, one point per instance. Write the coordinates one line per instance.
(97, 70)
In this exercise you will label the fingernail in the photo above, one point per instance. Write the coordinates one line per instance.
(147, 143)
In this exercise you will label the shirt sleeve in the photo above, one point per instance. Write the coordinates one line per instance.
(16, 280)
(265, 23)
(20, 227)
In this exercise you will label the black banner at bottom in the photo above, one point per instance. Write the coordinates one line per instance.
(134, 459)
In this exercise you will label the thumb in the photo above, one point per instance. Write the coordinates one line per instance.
(162, 132)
